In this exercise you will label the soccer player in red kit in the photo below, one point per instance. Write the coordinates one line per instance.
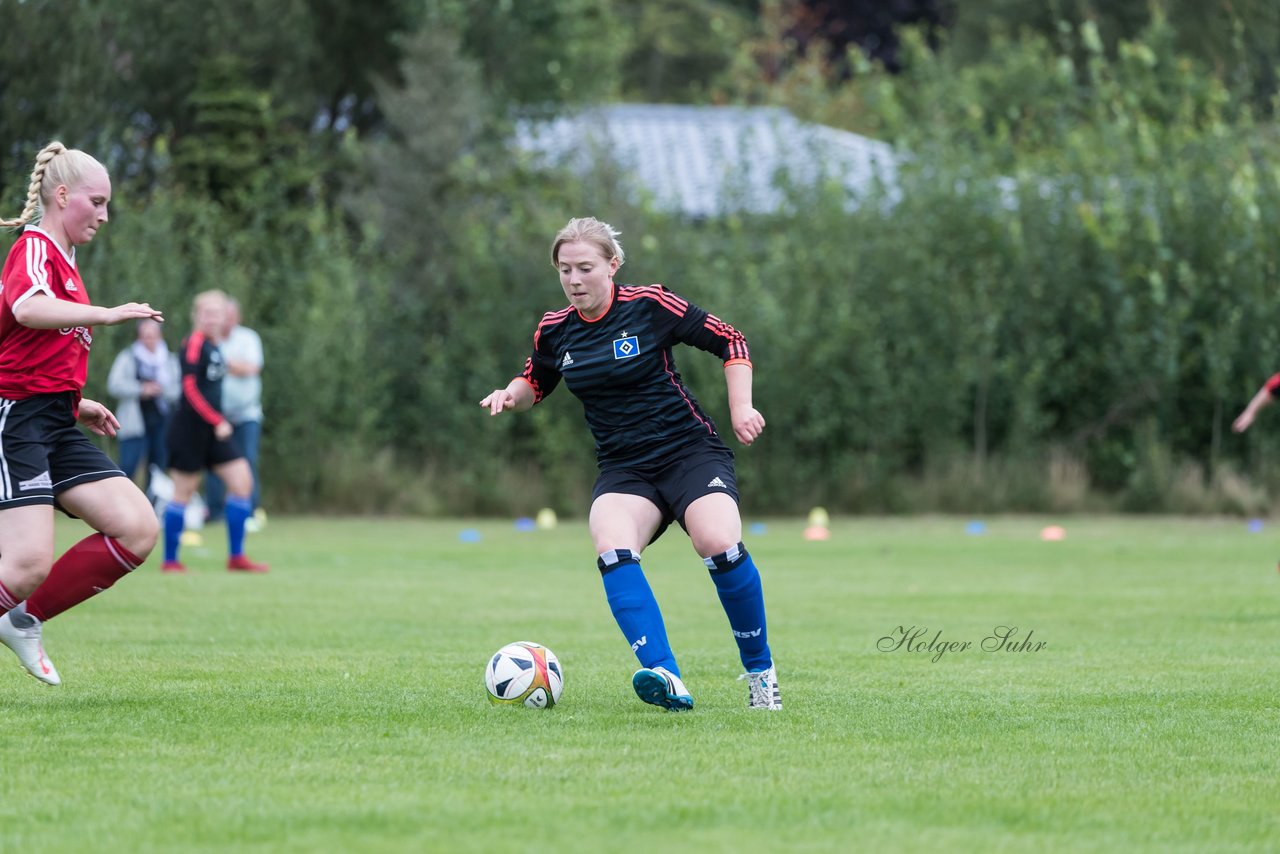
(46, 331)
(660, 457)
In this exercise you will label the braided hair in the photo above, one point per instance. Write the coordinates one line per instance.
(55, 165)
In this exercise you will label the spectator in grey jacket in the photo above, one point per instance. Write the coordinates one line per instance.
(146, 380)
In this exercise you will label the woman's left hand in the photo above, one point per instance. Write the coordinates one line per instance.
(98, 418)
(748, 424)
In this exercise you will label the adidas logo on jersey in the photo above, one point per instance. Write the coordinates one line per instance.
(716, 481)
(71, 285)
(566, 361)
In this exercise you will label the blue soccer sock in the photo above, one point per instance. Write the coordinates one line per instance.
(236, 510)
(738, 583)
(635, 609)
(175, 520)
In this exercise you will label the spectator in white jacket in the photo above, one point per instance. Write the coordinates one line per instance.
(146, 380)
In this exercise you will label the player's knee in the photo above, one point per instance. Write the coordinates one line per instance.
(617, 536)
(25, 571)
(239, 482)
(140, 534)
(182, 492)
(609, 544)
(710, 544)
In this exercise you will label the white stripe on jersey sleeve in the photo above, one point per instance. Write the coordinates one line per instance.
(37, 257)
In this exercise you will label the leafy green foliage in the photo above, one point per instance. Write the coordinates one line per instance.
(1073, 271)
(1079, 259)
(1240, 38)
(680, 51)
(536, 55)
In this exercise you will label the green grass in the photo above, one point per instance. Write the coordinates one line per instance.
(337, 703)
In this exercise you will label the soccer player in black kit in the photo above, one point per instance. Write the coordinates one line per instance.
(659, 455)
(200, 438)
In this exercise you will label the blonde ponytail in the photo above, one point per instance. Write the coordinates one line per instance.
(55, 164)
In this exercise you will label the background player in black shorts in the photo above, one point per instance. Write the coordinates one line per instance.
(659, 455)
(200, 438)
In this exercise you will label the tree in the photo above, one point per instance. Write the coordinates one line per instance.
(69, 96)
(679, 51)
(1240, 39)
(869, 25)
(537, 55)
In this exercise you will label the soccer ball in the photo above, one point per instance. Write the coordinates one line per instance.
(524, 673)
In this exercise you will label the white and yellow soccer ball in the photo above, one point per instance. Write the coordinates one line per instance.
(524, 674)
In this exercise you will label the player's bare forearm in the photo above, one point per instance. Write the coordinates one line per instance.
(516, 397)
(1244, 419)
(748, 424)
(41, 311)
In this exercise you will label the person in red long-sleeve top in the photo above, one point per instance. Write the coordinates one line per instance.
(1263, 398)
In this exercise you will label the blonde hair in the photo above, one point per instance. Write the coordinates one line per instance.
(55, 165)
(588, 229)
(205, 297)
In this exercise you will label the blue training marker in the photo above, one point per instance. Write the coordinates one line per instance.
(524, 523)
(758, 528)
(469, 535)
(975, 528)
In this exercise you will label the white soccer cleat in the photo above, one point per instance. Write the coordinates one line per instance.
(25, 643)
(660, 687)
(764, 692)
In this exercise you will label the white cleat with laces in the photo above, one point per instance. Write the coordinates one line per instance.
(764, 692)
(23, 637)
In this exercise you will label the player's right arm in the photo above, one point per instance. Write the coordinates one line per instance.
(1260, 400)
(195, 362)
(40, 311)
(516, 397)
(28, 273)
(540, 376)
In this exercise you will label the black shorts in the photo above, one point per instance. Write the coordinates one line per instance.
(676, 484)
(194, 448)
(43, 453)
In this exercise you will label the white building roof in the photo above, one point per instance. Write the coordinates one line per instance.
(706, 161)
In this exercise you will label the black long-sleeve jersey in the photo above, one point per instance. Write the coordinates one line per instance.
(620, 366)
(202, 371)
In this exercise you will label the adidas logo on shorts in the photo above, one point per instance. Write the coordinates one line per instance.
(716, 481)
(40, 481)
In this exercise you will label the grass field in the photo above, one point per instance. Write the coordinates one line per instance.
(337, 704)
